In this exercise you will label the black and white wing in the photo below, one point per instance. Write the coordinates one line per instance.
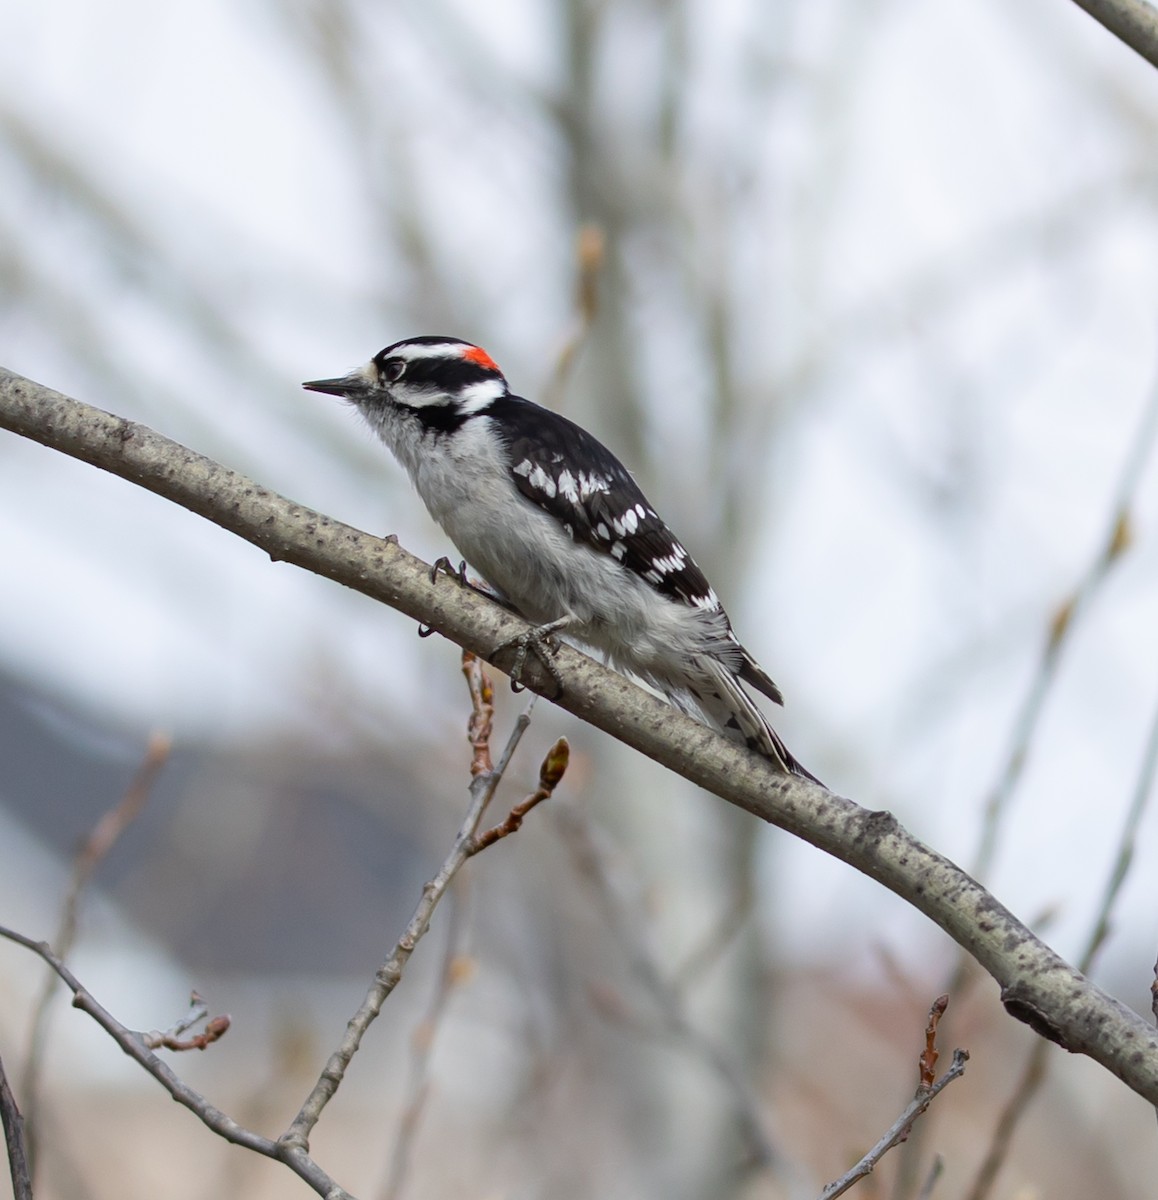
(572, 476)
(568, 473)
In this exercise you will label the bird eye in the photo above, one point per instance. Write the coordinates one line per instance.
(393, 369)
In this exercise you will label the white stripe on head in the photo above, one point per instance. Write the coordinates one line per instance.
(413, 351)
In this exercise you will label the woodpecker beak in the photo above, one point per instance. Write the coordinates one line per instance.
(349, 386)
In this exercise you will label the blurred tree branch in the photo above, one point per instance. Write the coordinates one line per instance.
(1038, 987)
(621, 917)
(136, 1047)
(100, 841)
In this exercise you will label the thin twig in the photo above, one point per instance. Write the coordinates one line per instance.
(389, 974)
(899, 1130)
(422, 1049)
(133, 1044)
(14, 1141)
(590, 253)
(701, 958)
(927, 1088)
(292, 1147)
(550, 774)
(761, 1148)
(1037, 1064)
(482, 715)
(1114, 544)
(103, 836)
(929, 1056)
(174, 1038)
(1127, 845)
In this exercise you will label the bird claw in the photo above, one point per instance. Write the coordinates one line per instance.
(541, 642)
(444, 566)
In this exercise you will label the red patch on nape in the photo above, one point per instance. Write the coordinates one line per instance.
(478, 356)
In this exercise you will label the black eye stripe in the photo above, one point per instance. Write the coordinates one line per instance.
(435, 373)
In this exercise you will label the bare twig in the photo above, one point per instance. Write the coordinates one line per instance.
(14, 1141)
(479, 730)
(1037, 1063)
(197, 1011)
(929, 1056)
(703, 956)
(1038, 986)
(1065, 619)
(589, 861)
(107, 831)
(590, 252)
(482, 715)
(215, 1029)
(292, 1147)
(173, 1038)
(1114, 545)
(900, 1128)
(100, 841)
(422, 1047)
(133, 1044)
(1127, 844)
(550, 773)
(389, 975)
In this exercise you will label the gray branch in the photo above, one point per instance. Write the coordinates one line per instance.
(15, 1141)
(1037, 986)
(135, 1046)
(898, 1131)
(1135, 22)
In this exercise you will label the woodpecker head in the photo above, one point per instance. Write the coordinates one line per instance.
(424, 375)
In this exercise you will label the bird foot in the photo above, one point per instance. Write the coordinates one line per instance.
(444, 566)
(541, 642)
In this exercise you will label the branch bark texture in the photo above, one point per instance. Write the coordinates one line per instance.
(1037, 986)
(1135, 22)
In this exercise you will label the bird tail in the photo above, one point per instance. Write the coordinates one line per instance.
(721, 702)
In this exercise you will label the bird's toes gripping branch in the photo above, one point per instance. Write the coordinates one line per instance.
(543, 644)
(444, 566)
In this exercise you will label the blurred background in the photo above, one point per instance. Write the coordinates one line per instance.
(864, 293)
